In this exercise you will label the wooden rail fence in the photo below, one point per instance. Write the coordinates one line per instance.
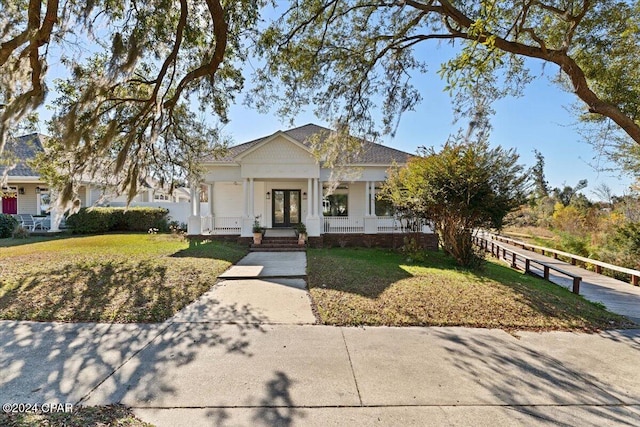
(525, 263)
(598, 265)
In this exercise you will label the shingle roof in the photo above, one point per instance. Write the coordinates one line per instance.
(371, 152)
(24, 148)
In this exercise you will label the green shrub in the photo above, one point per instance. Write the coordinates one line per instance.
(20, 233)
(576, 245)
(142, 219)
(93, 220)
(102, 220)
(7, 225)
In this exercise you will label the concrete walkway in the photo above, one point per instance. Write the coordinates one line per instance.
(269, 265)
(228, 360)
(618, 296)
(263, 287)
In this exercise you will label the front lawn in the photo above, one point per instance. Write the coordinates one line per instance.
(124, 278)
(379, 287)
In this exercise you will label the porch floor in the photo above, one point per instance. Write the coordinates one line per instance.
(280, 232)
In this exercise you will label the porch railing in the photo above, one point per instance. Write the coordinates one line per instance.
(225, 225)
(384, 224)
(389, 224)
(343, 224)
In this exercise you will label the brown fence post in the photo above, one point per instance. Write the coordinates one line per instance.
(546, 272)
(513, 260)
(598, 269)
(635, 280)
(527, 265)
(573, 261)
(576, 285)
(555, 256)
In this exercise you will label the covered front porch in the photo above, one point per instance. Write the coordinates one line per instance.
(232, 208)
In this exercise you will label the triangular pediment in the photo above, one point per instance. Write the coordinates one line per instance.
(278, 156)
(278, 148)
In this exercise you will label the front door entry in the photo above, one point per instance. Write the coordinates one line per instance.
(286, 208)
(10, 205)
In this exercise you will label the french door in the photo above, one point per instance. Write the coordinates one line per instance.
(10, 205)
(285, 208)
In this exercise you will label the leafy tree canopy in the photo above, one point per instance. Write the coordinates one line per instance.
(127, 96)
(338, 55)
(464, 186)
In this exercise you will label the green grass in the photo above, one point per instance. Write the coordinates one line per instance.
(99, 416)
(122, 278)
(378, 287)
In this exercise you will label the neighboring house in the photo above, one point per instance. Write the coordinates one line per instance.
(278, 180)
(26, 193)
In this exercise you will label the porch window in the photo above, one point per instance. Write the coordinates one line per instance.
(45, 201)
(336, 205)
(384, 208)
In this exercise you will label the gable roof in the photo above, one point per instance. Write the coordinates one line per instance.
(372, 153)
(24, 148)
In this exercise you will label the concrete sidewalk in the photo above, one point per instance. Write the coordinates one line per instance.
(202, 374)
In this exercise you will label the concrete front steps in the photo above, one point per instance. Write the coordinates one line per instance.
(278, 244)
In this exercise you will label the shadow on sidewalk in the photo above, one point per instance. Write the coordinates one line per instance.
(66, 363)
(529, 380)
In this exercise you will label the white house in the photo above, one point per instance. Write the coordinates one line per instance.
(25, 192)
(278, 180)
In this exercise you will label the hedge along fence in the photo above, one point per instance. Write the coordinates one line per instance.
(102, 220)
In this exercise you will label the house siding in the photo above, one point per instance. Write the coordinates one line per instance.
(27, 202)
(227, 200)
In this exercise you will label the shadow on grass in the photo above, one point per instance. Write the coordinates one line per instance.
(102, 291)
(446, 295)
(368, 272)
(365, 272)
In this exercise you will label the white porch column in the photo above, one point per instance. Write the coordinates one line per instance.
(210, 198)
(247, 220)
(245, 196)
(194, 225)
(309, 198)
(87, 195)
(370, 221)
(320, 209)
(366, 198)
(192, 211)
(372, 206)
(314, 212)
(252, 192)
(196, 198)
(313, 221)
